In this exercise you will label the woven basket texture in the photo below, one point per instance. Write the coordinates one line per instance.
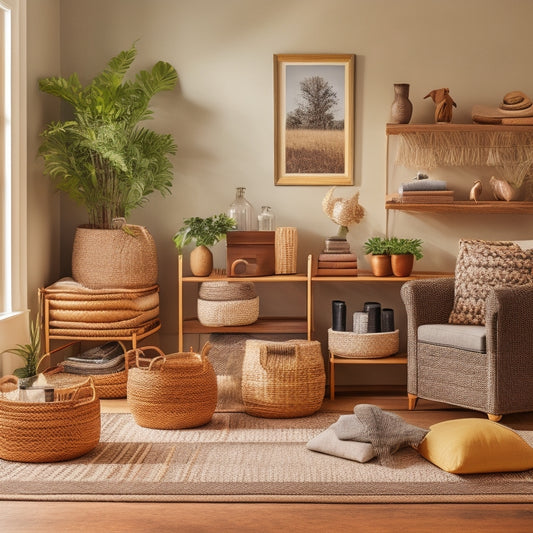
(102, 333)
(103, 258)
(226, 290)
(283, 379)
(38, 432)
(363, 345)
(228, 313)
(286, 250)
(173, 391)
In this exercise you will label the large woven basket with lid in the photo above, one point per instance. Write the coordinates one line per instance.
(45, 432)
(173, 391)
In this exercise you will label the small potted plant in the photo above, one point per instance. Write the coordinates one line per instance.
(403, 254)
(205, 232)
(30, 353)
(377, 248)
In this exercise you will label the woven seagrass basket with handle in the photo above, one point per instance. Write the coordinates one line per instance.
(45, 432)
(174, 391)
(283, 379)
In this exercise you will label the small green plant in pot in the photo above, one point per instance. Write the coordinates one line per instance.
(205, 232)
(377, 248)
(30, 353)
(403, 254)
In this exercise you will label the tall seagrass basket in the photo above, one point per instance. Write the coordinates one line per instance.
(283, 379)
(174, 391)
(45, 432)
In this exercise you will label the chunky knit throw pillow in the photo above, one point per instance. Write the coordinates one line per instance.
(481, 266)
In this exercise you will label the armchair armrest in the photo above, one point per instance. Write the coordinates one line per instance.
(428, 301)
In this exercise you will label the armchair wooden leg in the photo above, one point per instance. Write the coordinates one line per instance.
(412, 400)
(494, 418)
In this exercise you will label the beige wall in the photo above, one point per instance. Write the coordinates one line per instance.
(222, 113)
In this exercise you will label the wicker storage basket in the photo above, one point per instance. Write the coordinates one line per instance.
(286, 250)
(64, 429)
(283, 379)
(363, 345)
(114, 258)
(226, 290)
(174, 391)
(228, 313)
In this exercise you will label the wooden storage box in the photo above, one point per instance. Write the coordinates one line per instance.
(250, 253)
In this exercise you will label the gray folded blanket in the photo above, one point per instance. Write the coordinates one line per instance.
(386, 432)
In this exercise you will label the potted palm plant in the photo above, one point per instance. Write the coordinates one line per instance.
(403, 254)
(107, 161)
(377, 248)
(204, 232)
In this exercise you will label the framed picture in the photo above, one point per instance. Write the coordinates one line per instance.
(314, 119)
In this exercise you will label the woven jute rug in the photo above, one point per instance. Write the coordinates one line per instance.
(237, 457)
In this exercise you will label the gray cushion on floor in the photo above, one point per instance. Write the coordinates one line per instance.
(471, 338)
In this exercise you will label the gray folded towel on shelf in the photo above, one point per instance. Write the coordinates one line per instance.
(423, 185)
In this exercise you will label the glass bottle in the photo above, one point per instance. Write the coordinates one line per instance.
(265, 219)
(242, 211)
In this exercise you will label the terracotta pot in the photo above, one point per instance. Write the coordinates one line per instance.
(201, 261)
(381, 265)
(402, 265)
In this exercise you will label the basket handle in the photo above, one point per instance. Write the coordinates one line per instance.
(85, 401)
(236, 264)
(9, 380)
(139, 354)
(269, 354)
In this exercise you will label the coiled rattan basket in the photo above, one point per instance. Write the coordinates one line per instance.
(39, 432)
(363, 345)
(173, 391)
(283, 379)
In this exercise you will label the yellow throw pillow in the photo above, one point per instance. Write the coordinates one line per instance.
(474, 446)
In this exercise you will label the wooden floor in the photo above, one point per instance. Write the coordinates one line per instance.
(73, 517)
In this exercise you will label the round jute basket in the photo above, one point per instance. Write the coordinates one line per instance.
(173, 391)
(45, 432)
(228, 313)
(227, 290)
(114, 258)
(363, 345)
(283, 379)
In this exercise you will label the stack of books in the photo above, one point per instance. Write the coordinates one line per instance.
(336, 245)
(425, 191)
(337, 264)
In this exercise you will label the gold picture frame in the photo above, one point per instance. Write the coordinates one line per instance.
(314, 114)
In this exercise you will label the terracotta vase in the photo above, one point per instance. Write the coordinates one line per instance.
(402, 264)
(201, 261)
(381, 265)
(402, 108)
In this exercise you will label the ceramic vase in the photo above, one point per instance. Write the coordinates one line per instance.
(402, 108)
(201, 261)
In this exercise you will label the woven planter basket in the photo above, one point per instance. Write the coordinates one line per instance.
(228, 313)
(363, 345)
(44, 432)
(286, 250)
(114, 258)
(283, 379)
(174, 391)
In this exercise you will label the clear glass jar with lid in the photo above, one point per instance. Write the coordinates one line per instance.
(242, 211)
(265, 219)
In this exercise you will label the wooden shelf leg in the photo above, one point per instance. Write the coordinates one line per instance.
(331, 376)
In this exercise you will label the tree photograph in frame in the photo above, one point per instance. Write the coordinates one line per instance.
(314, 119)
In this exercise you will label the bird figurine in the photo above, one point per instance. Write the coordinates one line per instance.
(343, 212)
(444, 104)
(475, 191)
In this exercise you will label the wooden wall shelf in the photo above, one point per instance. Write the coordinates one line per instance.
(399, 129)
(466, 207)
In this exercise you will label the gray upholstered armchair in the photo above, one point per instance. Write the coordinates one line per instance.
(487, 368)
